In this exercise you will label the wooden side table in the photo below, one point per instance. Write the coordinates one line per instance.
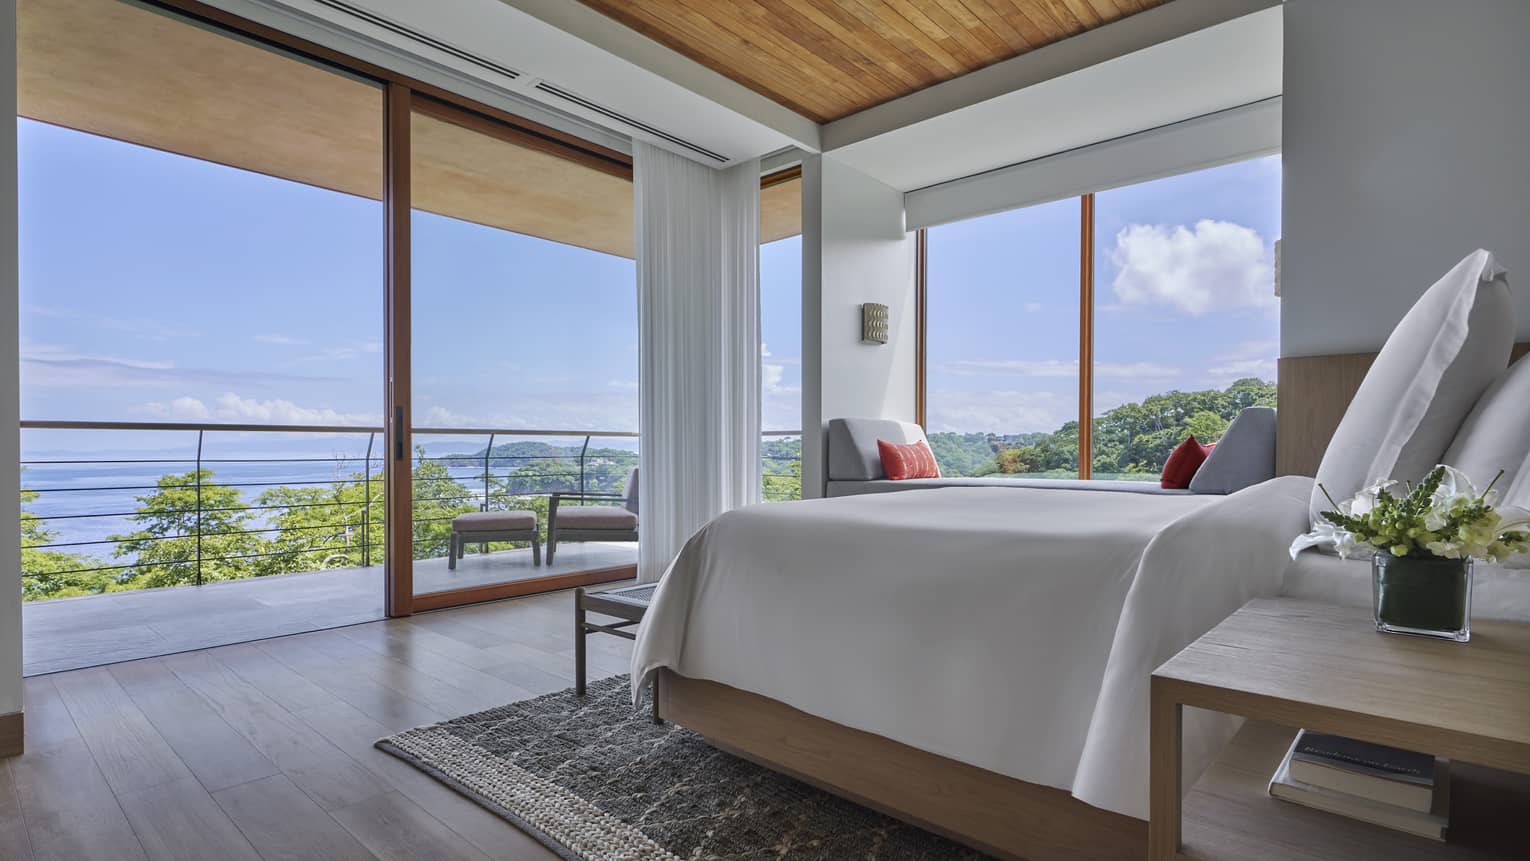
(1322, 667)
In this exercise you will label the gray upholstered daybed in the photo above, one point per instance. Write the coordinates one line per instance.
(1244, 457)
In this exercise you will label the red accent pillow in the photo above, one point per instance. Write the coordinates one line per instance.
(1186, 458)
(907, 461)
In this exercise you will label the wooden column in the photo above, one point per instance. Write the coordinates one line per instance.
(398, 419)
(1086, 337)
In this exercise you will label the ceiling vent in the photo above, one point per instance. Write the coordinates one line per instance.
(560, 93)
(416, 36)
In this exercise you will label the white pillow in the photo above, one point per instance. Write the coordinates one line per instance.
(1496, 435)
(1437, 362)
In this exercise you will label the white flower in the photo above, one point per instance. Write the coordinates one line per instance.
(1341, 540)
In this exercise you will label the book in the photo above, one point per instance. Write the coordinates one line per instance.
(1432, 824)
(1375, 771)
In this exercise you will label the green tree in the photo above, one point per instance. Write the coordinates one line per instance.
(437, 499)
(50, 573)
(1206, 426)
(165, 549)
(318, 527)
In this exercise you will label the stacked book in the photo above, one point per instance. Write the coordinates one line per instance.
(1382, 785)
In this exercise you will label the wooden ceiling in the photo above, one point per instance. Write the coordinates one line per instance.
(827, 59)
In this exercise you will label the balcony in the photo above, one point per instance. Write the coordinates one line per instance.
(143, 539)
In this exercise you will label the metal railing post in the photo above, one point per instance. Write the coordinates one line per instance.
(487, 453)
(199, 507)
(366, 504)
(582, 452)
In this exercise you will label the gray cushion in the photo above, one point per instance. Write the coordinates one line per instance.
(1243, 457)
(884, 485)
(853, 454)
(596, 517)
(631, 491)
(1494, 434)
(495, 521)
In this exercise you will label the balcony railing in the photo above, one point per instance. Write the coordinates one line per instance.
(209, 517)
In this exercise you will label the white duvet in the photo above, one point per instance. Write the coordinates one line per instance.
(1013, 629)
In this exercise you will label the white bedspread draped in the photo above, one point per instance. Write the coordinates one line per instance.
(980, 624)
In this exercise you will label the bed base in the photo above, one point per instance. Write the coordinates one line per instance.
(999, 815)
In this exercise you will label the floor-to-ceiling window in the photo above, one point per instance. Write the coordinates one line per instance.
(524, 347)
(1181, 334)
(216, 325)
(781, 335)
(201, 258)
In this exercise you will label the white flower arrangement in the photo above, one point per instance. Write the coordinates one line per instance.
(1442, 516)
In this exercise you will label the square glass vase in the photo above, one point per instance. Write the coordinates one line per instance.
(1423, 595)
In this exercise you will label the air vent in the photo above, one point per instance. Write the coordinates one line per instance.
(394, 27)
(588, 105)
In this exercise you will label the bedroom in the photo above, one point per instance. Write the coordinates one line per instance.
(941, 672)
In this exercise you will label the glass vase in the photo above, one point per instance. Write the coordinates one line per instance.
(1423, 595)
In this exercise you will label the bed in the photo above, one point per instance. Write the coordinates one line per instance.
(926, 628)
(977, 659)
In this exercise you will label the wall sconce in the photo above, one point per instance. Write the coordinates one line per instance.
(873, 323)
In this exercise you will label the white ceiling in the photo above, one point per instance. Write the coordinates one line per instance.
(1219, 67)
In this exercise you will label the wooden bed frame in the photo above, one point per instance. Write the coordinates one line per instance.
(999, 815)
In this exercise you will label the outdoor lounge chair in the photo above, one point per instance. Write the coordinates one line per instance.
(593, 522)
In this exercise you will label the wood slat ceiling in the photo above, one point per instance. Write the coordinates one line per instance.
(827, 59)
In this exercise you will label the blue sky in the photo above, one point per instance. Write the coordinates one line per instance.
(159, 287)
(1184, 299)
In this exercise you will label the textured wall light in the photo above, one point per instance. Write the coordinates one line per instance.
(873, 323)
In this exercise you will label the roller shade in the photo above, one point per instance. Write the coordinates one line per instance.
(1223, 137)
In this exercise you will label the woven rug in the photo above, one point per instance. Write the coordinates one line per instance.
(597, 780)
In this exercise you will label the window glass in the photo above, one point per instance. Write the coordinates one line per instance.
(1186, 322)
(1002, 343)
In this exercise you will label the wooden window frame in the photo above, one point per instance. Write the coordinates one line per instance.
(1085, 331)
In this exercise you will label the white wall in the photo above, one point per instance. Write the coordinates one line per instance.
(1406, 146)
(854, 250)
(10, 381)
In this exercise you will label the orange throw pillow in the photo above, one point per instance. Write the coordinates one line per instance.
(907, 461)
(1182, 464)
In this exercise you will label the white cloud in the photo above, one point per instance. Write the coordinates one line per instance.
(1215, 266)
(1060, 368)
(280, 340)
(230, 407)
(1032, 307)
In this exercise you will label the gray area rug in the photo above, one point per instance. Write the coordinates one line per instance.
(597, 780)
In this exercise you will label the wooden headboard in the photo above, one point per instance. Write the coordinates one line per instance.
(1314, 392)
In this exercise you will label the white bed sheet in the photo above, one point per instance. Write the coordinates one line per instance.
(980, 624)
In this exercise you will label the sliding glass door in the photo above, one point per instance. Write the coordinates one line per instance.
(523, 335)
(230, 237)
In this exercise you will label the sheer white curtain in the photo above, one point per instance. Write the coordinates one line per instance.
(698, 244)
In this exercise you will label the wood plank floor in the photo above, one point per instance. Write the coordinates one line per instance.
(70, 633)
(264, 750)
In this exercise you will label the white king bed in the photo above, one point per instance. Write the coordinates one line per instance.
(977, 659)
